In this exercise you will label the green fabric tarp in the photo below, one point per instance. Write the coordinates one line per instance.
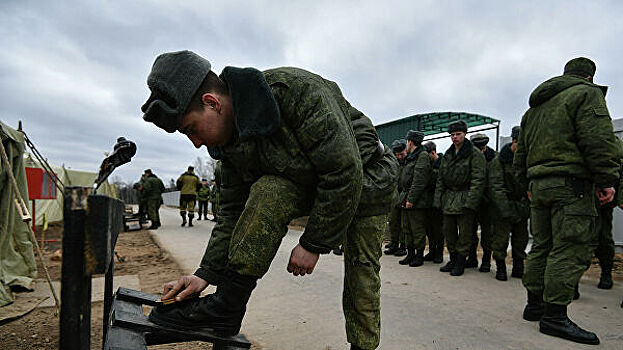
(17, 259)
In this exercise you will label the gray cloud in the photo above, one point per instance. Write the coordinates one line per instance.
(75, 71)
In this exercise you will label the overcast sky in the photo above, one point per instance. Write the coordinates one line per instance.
(74, 71)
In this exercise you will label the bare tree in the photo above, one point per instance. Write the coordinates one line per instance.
(204, 166)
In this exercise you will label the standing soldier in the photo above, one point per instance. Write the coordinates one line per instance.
(510, 210)
(434, 217)
(203, 196)
(415, 181)
(141, 199)
(152, 191)
(459, 189)
(290, 145)
(399, 147)
(483, 215)
(188, 184)
(216, 190)
(566, 155)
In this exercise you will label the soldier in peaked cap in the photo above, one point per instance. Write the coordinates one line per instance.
(290, 145)
(566, 156)
(460, 186)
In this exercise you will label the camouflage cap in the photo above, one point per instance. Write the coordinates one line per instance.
(458, 125)
(479, 140)
(515, 132)
(580, 66)
(399, 145)
(415, 136)
(173, 81)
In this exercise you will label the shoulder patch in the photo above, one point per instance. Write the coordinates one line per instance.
(601, 111)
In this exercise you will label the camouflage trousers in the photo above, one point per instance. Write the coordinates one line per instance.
(273, 202)
(482, 219)
(605, 246)
(395, 226)
(187, 203)
(414, 228)
(153, 205)
(564, 237)
(457, 229)
(434, 219)
(501, 229)
(203, 209)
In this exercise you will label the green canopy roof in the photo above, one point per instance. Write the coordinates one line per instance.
(432, 123)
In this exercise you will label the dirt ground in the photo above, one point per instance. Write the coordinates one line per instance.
(40, 329)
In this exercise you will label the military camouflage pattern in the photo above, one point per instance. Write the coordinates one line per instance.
(564, 237)
(483, 213)
(152, 192)
(501, 230)
(187, 204)
(216, 190)
(434, 216)
(605, 242)
(415, 179)
(188, 183)
(204, 193)
(395, 225)
(414, 228)
(457, 229)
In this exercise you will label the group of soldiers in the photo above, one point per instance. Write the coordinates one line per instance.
(193, 191)
(560, 170)
(149, 197)
(291, 145)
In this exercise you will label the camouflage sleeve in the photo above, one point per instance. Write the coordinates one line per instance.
(439, 188)
(498, 193)
(327, 139)
(596, 140)
(422, 172)
(365, 133)
(477, 181)
(233, 196)
(519, 160)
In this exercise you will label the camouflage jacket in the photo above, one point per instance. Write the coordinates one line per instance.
(508, 199)
(204, 193)
(567, 132)
(188, 183)
(489, 154)
(415, 179)
(398, 200)
(152, 188)
(461, 180)
(295, 124)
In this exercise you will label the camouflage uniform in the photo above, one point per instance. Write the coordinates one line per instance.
(188, 183)
(566, 148)
(152, 190)
(483, 219)
(141, 199)
(434, 217)
(203, 196)
(510, 208)
(316, 156)
(395, 226)
(460, 185)
(215, 194)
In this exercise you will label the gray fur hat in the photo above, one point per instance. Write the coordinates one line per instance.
(173, 81)
(399, 145)
(479, 140)
(580, 66)
(416, 136)
(515, 132)
(458, 125)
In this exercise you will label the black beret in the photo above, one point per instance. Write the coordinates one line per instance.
(515, 132)
(580, 66)
(458, 125)
(399, 145)
(415, 136)
(173, 81)
(479, 140)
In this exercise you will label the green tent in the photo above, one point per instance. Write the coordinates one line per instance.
(17, 260)
(434, 123)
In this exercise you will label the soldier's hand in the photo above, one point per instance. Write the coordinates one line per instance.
(302, 261)
(409, 205)
(529, 195)
(605, 195)
(184, 288)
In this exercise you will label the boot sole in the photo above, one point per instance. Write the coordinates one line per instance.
(219, 330)
(554, 333)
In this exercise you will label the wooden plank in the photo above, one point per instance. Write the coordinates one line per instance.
(136, 296)
(124, 339)
(103, 224)
(163, 335)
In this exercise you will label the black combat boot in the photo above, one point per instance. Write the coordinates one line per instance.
(605, 281)
(153, 226)
(409, 257)
(556, 323)
(438, 258)
(472, 260)
(450, 265)
(199, 217)
(401, 251)
(339, 250)
(459, 266)
(190, 220)
(430, 255)
(391, 248)
(183, 215)
(500, 272)
(485, 265)
(418, 259)
(517, 271)
(534, 308)
(221, 311)
(355, 347)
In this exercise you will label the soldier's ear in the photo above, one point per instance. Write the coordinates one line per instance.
(211, 101)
